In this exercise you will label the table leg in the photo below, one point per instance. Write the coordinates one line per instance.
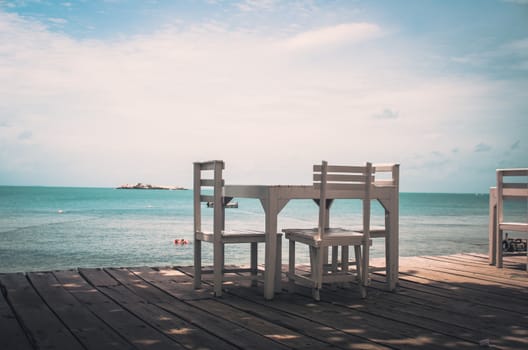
(392, 241)
(387, 245)
(492, 228)
(271, 209)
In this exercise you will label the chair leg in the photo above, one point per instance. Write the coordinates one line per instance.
(325, 254)
(197, 280)
(316, 294)
(344, 264)
(334, 269)
(278, 266)
(254, 262)
(335, 251)
(365, 269)
(291, 266)
(499, 248)
(317, 271)
(359, 262)
(357, 253)
(218, 268)
(344, 258)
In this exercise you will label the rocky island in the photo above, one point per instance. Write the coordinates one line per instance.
(141, 186)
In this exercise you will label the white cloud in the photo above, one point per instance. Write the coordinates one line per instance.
(482, 147)
(256, 5)
(145, 108)
(386, 114)
(56, 20)
(341, 34)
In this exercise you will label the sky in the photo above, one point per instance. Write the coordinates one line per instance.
(103, 93)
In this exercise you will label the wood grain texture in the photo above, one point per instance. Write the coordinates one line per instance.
(441, 302)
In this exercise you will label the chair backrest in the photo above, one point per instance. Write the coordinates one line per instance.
(386, 174)
(208, 176)
(511, 183)
(355, 180)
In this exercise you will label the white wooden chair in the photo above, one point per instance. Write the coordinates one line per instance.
(329, 180)
(208, 177)
(511, 183)
(382, 175)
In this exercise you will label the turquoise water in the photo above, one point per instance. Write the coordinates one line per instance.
(48, 228)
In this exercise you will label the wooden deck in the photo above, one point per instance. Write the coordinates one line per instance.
(456, 301)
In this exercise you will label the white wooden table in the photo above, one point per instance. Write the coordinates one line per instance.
(273, 199)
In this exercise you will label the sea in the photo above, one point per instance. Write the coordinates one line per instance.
(56, 228)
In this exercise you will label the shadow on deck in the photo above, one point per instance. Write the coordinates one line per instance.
(456, 301)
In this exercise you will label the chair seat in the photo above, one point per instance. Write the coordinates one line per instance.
(332, 237)
(375, 231)
(514, 226)
(247, 236)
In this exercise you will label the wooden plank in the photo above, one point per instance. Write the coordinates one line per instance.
(248, 301)
(44, 328)
(341, 168)
(514, 172)
(446, 289)
(472, 266)
(459, 303)
(185, 334)
(461, 319)
(209, 182)
(513, 264)
(445, 317)
(342, 178)
(441, 302)
(444, 272)
(301, 328)
(130, 327)
(12, 335)
(373, 327)
(209, 165)
(383, 168)
(182, 288)
(397, 327)
(284, 337)
(217, 325)
(87, 328)
(476, 274)
(415, 279)
(428, 317)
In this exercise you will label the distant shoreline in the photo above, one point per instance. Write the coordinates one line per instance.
(141, 186)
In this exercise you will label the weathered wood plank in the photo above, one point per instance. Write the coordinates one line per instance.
(219, 324)
(249, 302)
(375, 327)
(185, 334)
(466, 321)
(372, 324)
(506, 329)
(283, 336)
(44, 328)
(482, 272)
(457, 279)
(446, 289)
(130, 327)
(86, 327)
(441, 302)
(514, 266)
(179, 283)
(512, 262)
(12, 335)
